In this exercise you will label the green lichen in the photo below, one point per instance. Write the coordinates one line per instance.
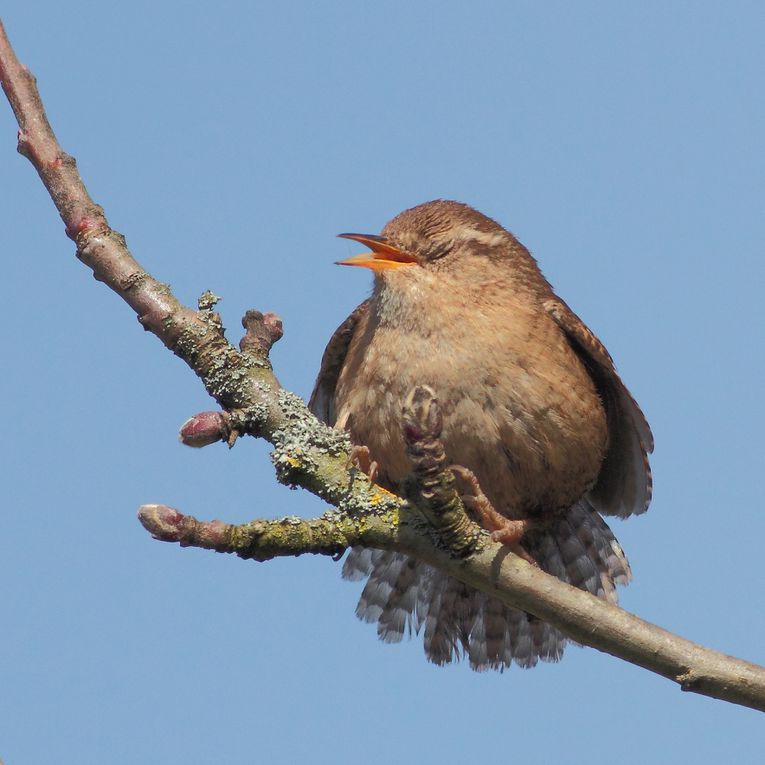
(208, 300)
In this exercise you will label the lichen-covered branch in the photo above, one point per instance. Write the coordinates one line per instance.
(331, 534)
(241, 381)
(493, 569)
(432, 526)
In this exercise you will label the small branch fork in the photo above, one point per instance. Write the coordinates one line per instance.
(430, 523)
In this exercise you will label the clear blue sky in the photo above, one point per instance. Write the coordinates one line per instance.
(623, 143)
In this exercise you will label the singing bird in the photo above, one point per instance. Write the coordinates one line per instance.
(531, 404)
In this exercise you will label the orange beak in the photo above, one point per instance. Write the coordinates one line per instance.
(383, 255)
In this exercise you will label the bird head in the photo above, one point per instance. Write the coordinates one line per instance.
(429, 236)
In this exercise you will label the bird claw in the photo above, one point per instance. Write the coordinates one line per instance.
(504, 530)
(361, 459)
(476, 501)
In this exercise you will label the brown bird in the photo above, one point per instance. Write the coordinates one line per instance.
(531, 404)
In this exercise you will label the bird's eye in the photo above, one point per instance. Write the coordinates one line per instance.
(436, 249)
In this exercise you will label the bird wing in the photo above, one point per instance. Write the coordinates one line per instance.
(624, 484)
(322, 401)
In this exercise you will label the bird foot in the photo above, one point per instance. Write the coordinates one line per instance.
(504, 530)
(361, 458)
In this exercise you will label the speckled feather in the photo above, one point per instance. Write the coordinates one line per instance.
(531, 403)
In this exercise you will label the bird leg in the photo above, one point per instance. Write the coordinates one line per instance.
(361, 458)
(503, 530)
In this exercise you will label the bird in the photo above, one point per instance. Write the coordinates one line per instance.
(533, 409)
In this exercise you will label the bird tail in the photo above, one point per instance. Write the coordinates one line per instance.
(403, 595)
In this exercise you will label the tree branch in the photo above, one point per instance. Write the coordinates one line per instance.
(493, 569)
(262, 540)
(431, 526)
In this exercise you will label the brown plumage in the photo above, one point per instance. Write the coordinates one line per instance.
(531, 404)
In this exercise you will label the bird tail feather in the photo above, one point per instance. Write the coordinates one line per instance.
(404, 596)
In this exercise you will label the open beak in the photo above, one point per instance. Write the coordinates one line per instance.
(383, 255)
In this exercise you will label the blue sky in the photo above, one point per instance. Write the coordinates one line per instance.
(621, 142)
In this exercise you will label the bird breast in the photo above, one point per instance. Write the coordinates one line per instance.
(519, 408)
